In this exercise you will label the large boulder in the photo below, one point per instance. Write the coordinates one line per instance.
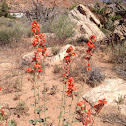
(27, 58)
(112, 89)
(86, 23)
(56, 59)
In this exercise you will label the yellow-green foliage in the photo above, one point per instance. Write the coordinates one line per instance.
(63, 27)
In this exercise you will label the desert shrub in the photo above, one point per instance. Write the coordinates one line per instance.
(8, 35)
(62, 27)
(12, 123)
(116, 17)
(105, 31)
(21, 108)
(55, 50)
(57, 69)
(17, 85)
(7, 22)
(95, 76)
(118, 57)
(78, 71)
(27, 32)
(4, 10)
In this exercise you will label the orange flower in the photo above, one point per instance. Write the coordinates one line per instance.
(0, 89)
(45, 48)
(92, 38)
(103, 101)
(80, 103)
(68, 92)
(47, 55)
(29, 69)
(67, 57)
(37, 65)
(43, 39)
(70, 49)
(91, 45)
(89, 68)
(73, 54)
(39, 49)
(2, 112)
(35, 26)
(99, 106)
(39, 70)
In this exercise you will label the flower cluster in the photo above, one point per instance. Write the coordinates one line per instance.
(85, 112)
(2, 115)
(90, 44)
(67, 61)
(38, 42)
(71, 87)
(2, 110)
(100, 104)
(35, 27)
(69, 81)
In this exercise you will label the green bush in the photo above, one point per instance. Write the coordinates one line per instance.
(7, 22)
(116, 17)
(9, 35)
(63, 27)
(12, 123)
(118, 57)
(4, 10)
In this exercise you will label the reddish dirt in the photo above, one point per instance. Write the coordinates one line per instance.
(14, 55)
(27, 4)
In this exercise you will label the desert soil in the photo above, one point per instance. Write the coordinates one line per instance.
(11, 70)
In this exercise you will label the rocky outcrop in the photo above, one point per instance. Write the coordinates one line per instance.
(56, 59)
(27, 58)
(86, 23)
(112, 89)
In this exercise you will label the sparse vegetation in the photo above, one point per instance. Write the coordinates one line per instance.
(44, 89)
(95, 77)
(55, 50)
(57, 69)
(21, 109)
(118, 57)
(63, 27)
(12, 123)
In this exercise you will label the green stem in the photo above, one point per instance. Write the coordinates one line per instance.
(64, 106)
(35, 93)
(44, 92)
(61, 105)
(70, 108)
(76, 105)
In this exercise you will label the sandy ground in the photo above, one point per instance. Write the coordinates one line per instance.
(13, 71)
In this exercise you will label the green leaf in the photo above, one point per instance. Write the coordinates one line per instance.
(48, 117)
(41, 120)
(46, 109)
(31, 121)
(32, 105)
(36, 120)
(38, 109)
